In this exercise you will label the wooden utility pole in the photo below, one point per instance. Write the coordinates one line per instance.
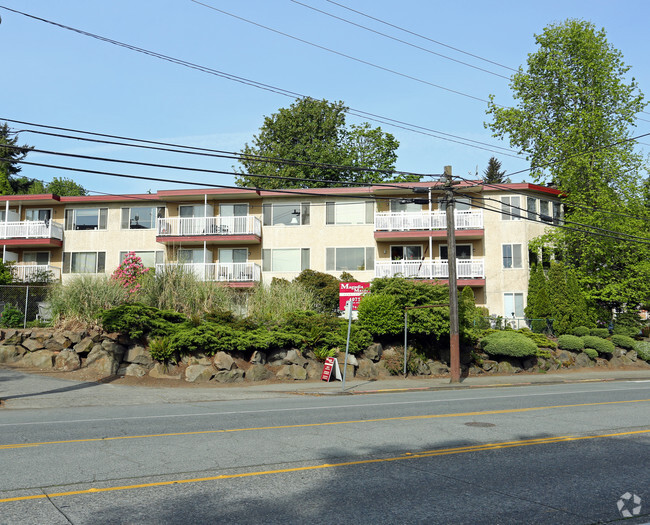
(454, 338)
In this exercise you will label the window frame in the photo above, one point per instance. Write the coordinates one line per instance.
(158, 255)
(100, 262)
(403, 247)
(70, 219)
(445, 246)
(267, 259)
(331, 215)
(514, 295)
(268, 213)
(512, 257)
(127, 218)
(332, 259)
(50, 210)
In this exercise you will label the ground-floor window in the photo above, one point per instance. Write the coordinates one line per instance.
(285, 260)
(513, 303)
(350, 259)
(84, 262)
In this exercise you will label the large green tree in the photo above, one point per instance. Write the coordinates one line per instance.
(10, 155)
(64, 186)
(575, 109)
(314, 131)
(493, 173)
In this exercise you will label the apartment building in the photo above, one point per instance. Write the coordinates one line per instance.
(242, 237)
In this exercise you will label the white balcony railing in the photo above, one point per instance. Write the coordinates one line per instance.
(31, 230)
(179, 226)
(227, 272)
(34, 272)
(436, 220)
(436, 269)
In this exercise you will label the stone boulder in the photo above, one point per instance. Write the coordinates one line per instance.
(57, 342)
(161, 371)
(373, 352)
(258, 372)
(367, 369)
(115, 349)
(199, 373)
(11, 353)
(258, 358)
(135, 370)
(314, 370)
(222, 361)
(584, 361)
(103, 362)
(506, 367)
(293, 357)
(84, 346)
(489, 366)
(13, 337)
(276, 357)
(293, 372)
(39, 359)
(139, 355)
(229, 376)
(33, 345)
(67, 360)
(437, 368)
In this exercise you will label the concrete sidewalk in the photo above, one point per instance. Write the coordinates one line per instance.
(20, 390)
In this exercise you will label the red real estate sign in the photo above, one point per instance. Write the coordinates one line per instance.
(352, 291)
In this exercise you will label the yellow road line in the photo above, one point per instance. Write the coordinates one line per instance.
(323, 424)
(419, 455)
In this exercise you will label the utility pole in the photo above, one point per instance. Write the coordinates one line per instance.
(454, 338)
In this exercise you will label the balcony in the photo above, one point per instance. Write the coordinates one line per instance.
(34, 272)
(420, 225)
(31, 233)
(470, 269)
(232, 230)
(247, 272)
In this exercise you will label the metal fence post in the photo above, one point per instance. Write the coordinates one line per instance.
(26, 303)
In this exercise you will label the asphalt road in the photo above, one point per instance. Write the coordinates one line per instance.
(546, 454)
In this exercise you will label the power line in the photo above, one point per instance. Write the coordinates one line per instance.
(267, 87)
(399, 40)
(344, 55)
(422, 36)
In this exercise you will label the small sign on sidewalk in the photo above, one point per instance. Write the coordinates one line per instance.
(331, 365)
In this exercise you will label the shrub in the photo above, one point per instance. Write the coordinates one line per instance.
(322, 331)
(159, 349)
(623, 341)
(539, 339)
(324, 287)
(85, 296)
(643, 350)
(580, 331)
(599, 332)
(570, 342)
(593, 354)
(394, 362)
(508, 343)
(380, 314)
(137, 320)
(130, 272)
(602, 346)
(627, 323)
(629, 331)
(11, 317)
(272, 305)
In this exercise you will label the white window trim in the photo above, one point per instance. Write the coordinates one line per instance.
(365, 258)
(511, 209)
(248, 206)
(69, 263)
(299, 206)
(521, 253)
(74, 218)
(301, 252)
(51, 210)
(49, 255)
(507, 315)
(120, 259)
(367, 219)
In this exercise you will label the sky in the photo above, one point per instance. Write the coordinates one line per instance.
(58, 77)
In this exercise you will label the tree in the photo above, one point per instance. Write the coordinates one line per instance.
(63, 186)
(314, 131)
(10, 155)
(573, 117)
(493, 173)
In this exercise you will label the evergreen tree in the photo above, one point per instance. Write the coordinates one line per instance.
(10, 154)
(493, 173)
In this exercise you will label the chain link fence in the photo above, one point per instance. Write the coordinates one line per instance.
(544, 326)
(22, 304)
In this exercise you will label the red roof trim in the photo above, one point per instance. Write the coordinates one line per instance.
(38, 197)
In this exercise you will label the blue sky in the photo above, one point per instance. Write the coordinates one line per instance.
(60, 78)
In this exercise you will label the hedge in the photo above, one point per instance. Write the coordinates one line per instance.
(580, 331)
(593, 354)
(599, 332)
(508, 343)
(623, 341)
(570, 342)
(602, 346)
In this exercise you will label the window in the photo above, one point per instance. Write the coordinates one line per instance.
(513, 304)
(543, 210)
(149, 259)
(234, 255)
(84, 262)
(402, 205)
(142, 217)
(460, 204)
(38, 215)
(193, 210)
(512, 256)
(39, 258)
(349, 212)
(407, 253)
(195, 256)
(345, 259)
(86, 219)
(233, 210)
(557, 213)
(287, 214)
(510, 209)
(463, 251)
(285, 260)
(531, 206)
